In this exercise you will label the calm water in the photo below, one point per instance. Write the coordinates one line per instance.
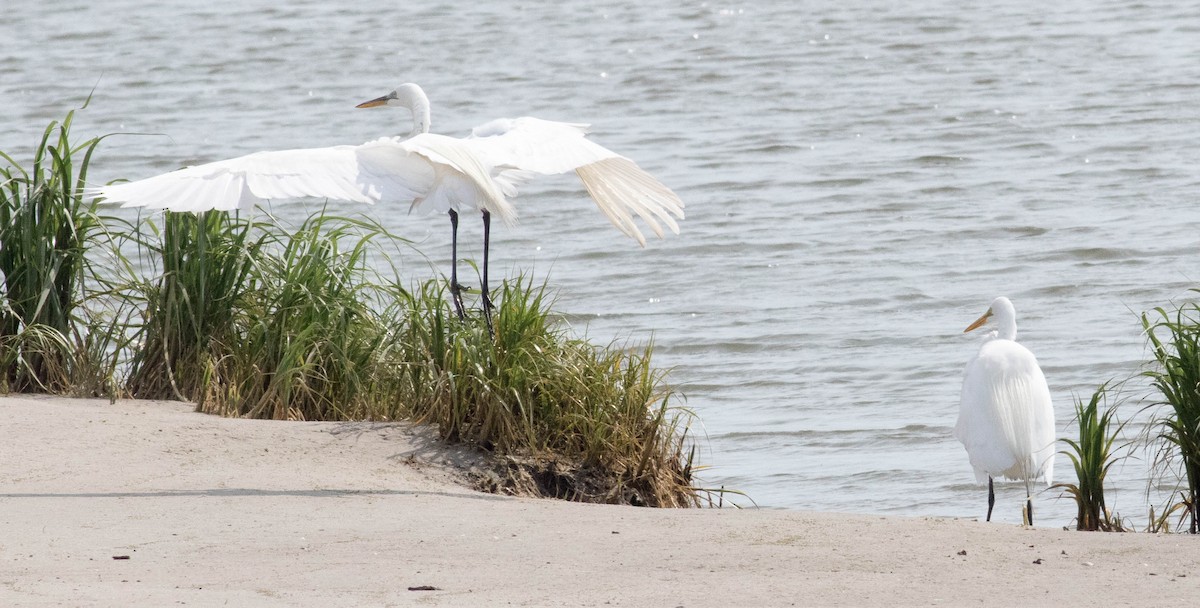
(860, 180)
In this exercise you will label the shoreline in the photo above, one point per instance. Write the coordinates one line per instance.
(204, 510)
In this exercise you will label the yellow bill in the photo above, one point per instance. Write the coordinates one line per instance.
(374, 103)
(980, 321)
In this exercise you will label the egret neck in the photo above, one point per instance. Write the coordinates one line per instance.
(416, 101)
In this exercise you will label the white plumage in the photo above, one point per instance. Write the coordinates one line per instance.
(1006, 419)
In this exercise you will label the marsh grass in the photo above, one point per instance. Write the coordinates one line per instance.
(46, 228)
(251, 319)
(310, 345)
(1092, 457)
(256, 321)
(577, 421)
(205, 265)
(1175, 341)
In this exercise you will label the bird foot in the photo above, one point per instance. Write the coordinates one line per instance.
(456, 296)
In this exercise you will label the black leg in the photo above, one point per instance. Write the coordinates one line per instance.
(487, 301)
(455, 288)
(991, 498)
(1028, 519)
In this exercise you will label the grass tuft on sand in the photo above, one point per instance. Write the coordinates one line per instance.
(52, 337)
(1092, 457)
(577, 421)
(1174, 338)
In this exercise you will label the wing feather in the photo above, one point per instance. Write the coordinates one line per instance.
(1006, 419)
(628, 186)
(520, 148)
(464, 178)
(373, 172)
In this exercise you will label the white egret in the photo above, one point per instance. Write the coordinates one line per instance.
(430, 172)
(1005, 418)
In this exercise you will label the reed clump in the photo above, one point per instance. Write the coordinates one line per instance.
(50, 341)
(250, 319)
(574, 420)
(1092, 457)
(191, 305)
(308, 342)
(1174, 338)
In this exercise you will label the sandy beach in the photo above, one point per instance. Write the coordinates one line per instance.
(145, 503)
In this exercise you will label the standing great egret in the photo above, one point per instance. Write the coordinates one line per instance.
(429, 171)
(1005, 418)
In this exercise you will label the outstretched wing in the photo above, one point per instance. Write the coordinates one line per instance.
(432, 167)
(518, 149)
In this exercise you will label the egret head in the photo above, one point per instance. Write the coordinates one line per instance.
(410, 96)
(1000, 314)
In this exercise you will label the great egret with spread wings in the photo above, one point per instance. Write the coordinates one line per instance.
(1006, 419)
(430, 172)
